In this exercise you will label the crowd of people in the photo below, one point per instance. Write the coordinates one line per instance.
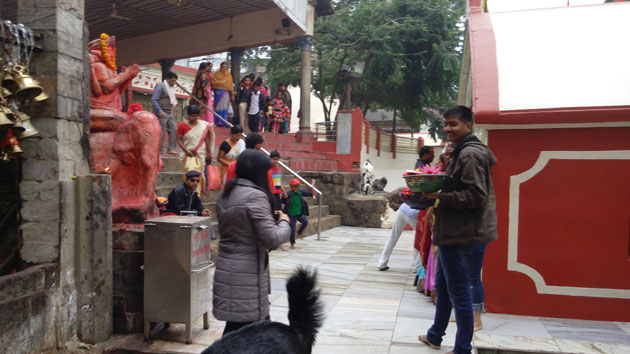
(250, 104)
(451, 236)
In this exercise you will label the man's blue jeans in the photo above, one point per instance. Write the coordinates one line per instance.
(475, 261)
(292, 221)
(452, 284)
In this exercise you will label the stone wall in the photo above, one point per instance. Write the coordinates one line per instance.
(340, 190)
(56, 154)
(28, 302)
(55, 191)
(366, 210)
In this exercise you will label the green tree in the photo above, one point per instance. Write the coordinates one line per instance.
(411, 50)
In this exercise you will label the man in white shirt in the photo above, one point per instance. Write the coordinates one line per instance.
(405, 215)
(255, 108)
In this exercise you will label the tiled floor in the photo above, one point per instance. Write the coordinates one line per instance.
(369, 311)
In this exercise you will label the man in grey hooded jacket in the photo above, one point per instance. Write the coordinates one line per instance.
(465, 218)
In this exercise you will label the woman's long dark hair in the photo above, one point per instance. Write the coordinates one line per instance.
(252, 165)
(200, 85)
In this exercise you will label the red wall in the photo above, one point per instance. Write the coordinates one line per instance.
(574, 224)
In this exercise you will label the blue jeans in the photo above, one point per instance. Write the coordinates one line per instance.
(452, 285)
(303, 221)
(474, 273)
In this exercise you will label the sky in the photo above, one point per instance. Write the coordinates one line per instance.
(511, 5)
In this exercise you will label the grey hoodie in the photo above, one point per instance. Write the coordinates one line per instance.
(466, 214)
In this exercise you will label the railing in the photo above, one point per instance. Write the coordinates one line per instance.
(406, 145)
(374, 133)
(383, 141)
(319, 211)
(326, 131)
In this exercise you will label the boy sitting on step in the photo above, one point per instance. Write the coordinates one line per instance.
(296, 207)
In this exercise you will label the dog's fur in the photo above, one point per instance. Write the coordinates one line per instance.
(367, 177)
(266, 337)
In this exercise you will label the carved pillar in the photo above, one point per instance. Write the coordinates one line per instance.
(167, 65)
(306, 46)
(235, 59)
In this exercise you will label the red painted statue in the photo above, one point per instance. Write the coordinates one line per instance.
(126, 145)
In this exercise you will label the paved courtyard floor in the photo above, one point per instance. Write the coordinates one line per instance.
(370, 311)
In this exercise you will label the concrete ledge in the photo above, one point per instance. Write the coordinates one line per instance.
(30, 280)
(27, 309)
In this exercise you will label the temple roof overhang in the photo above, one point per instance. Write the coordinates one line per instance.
(565, 62)
(147, 30)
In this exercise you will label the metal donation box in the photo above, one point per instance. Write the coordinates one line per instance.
(176, 271)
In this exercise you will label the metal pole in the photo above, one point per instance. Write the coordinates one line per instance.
(319, 217)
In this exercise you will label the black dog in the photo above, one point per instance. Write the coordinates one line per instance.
(266, 337)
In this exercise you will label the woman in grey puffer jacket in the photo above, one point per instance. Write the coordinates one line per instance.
(248, 231)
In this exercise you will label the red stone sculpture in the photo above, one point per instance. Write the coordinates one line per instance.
(126, 145)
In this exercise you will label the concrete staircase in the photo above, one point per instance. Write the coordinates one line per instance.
(172, 175)
(298, 156)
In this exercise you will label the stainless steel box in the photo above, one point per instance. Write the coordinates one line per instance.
(176, 271)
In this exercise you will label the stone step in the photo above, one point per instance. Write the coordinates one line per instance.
(168, 180)
(510, 351)
(172, 164)
(328, 222)
(291, 154)
(307, 164)
(224, 133)
(314, 209)
(286, 146)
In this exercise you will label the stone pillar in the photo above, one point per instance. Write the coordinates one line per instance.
(167, 65)
(94, 258)
(54, 158)
(306, 46)
(235, 59)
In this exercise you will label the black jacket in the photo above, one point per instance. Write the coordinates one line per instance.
(302, 194)
(466, 214)
(179, 199)
(262, 103)
(243, 94)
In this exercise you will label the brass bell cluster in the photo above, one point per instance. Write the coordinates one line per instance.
(17, 87)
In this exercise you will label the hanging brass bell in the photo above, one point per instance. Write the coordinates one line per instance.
(13, 146)
(8, 82)
(18, 128)
(6, 93)
(24, 122)
(27, 88)
(4, 120)
(43, 96)
(8, 112)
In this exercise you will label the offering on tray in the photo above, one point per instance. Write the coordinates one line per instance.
(426, 179)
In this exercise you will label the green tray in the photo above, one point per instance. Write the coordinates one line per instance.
(425, 183)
